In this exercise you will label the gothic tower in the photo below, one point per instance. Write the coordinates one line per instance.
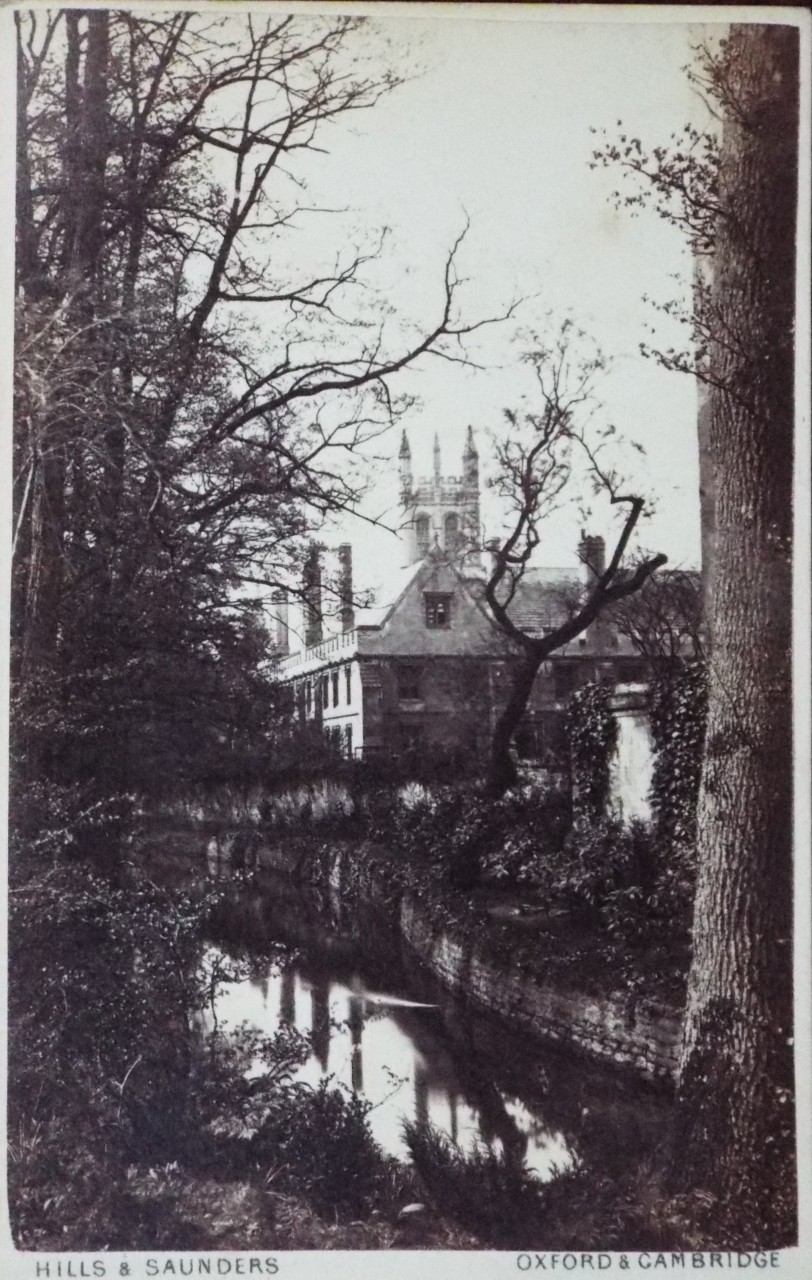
(441, 512)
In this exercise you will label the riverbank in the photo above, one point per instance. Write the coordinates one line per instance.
(497, 949)
(134, 1126)
(615, 1197)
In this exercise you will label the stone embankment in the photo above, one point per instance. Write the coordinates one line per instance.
(629, 1030)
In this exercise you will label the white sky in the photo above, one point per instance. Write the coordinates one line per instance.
(497, 125)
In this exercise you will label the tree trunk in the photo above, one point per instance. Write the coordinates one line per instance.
(735, 1122)
(502, 770)
(43, 588)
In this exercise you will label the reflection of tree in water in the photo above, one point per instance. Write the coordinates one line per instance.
(452, 1107)
(460, 1076)
(457, 1058)
(320, 1019)
(495, 1121)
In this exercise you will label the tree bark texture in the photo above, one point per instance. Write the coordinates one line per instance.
(735, 1122)
(85, 155)
(502, 771)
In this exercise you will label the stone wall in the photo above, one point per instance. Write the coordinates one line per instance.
(632, 764)
(630, 1032)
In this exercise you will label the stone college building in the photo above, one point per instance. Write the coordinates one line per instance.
(428, 668)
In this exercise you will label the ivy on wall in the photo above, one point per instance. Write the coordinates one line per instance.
(679, 705)
(592, 732)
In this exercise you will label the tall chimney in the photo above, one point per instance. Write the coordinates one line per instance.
(346, 612)
(280, 620)
(592, 554)
(311, 591)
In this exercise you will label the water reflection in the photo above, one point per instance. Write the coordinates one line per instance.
(393, 1051)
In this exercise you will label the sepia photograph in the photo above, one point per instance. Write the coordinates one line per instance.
(408, 578)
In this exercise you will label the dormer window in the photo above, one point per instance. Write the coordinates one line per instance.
(438, 610)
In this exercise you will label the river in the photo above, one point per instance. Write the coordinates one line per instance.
(382, 1027)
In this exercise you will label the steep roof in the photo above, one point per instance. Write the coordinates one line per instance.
(387, 596)
(543, 598)
(402, 629)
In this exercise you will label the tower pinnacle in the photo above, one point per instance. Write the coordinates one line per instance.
(437, 465)
(405, 469)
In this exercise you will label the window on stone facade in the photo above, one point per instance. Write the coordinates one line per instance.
(409, 683)
(438, 610)
(412, 737)
(453, 540)
(308, 696)
(325, 692)
(335, 688)
(423, 531)
(348, 681)
(632, 670)
(348, 740)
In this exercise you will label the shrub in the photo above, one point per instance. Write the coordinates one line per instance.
(325, 800)
(483, 1190)
(592, 733)
(530, 829)
(321, 1139)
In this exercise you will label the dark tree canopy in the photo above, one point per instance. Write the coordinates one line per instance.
(188, 395)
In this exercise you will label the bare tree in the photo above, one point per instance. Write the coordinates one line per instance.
(157, 161)
(663, 620)
(535, 469)
(207, 396)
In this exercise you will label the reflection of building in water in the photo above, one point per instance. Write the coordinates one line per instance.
(287, 996)
(260, 983)
(421, 1095)
(449, 1085)
(356, 1021)
(452, 1107)
(320, 1006)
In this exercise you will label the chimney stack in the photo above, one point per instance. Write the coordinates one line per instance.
(592, 554)
(279, 618)
(311, 592)
(346, 612)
